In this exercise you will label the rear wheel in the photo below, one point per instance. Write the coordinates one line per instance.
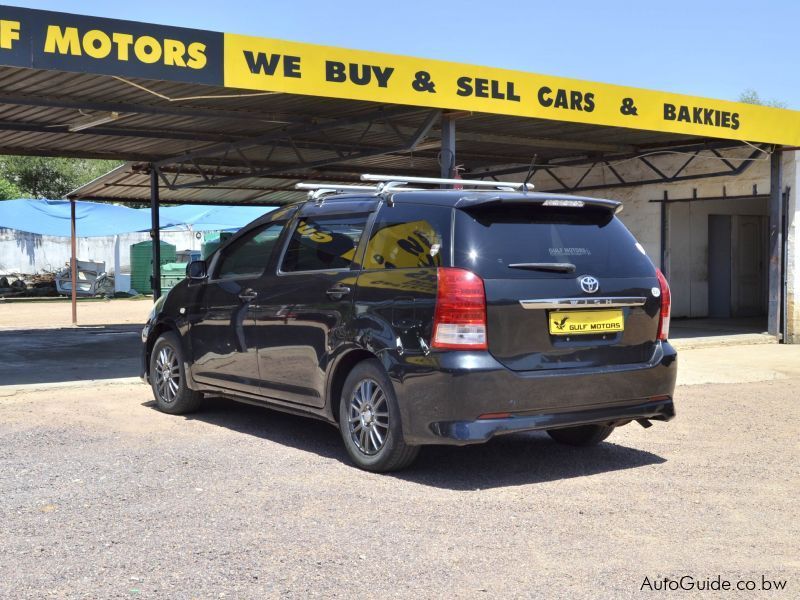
(369, 420)
(168, 377)
(584, 435)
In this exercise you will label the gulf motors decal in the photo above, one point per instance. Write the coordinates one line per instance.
(51, 40)
(65, 42)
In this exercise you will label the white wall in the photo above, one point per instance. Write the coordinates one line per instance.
(29, 253)
(791, 178)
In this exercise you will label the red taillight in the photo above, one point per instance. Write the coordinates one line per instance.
(666, 304)
(459, 321)
(500, 415)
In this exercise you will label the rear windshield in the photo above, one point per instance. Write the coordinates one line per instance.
(488, 239)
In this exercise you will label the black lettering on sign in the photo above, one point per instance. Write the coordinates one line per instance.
(561, 99)
(480, 87)
(701, 115)
(334, 71)
(267, 64)
(566, 99)
(359, 74)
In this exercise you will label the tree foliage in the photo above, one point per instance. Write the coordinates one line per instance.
(9, 191)
(750, 96)
(45, 177)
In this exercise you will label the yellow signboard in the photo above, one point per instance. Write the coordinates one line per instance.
(65, 42)
(276, 65)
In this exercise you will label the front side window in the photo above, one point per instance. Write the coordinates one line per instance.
(408, 236)
(322, 243)
(248, 257)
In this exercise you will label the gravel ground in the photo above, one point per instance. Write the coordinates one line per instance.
(101, 496)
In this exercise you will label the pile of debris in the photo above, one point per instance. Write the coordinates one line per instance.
(18, 285)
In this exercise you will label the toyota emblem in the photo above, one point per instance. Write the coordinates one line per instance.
(589, 284)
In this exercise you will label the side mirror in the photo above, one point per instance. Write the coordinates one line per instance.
(196, 270)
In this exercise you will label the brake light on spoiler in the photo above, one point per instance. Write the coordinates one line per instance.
(459, 321)
(562, 202)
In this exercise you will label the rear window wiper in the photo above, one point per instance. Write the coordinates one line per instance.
(543, 266)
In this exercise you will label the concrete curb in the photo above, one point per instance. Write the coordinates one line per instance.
(722, 340)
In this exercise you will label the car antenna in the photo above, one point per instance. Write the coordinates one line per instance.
(531, 172)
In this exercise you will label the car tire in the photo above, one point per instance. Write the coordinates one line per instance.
(584, 435)
(168, 377)
(369, 420)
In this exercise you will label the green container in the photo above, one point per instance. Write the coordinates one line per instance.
(142, 264)
(171, 274)
(213, 242)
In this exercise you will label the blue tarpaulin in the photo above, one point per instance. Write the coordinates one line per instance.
(96, 219)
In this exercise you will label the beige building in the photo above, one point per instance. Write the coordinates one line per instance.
(711, 233)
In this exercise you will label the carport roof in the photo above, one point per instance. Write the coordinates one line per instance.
(223, 134)
(130, 183)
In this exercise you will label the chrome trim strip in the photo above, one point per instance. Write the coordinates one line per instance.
(607, 302)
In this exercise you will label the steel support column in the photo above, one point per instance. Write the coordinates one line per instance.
(775, 243)
(73, 262)
(664, 233)
(155, 233)
(447, 155)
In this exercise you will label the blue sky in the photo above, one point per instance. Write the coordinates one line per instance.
(702, 47)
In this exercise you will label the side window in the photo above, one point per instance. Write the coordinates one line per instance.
(323, 243)
(409, 236)
(249, 256)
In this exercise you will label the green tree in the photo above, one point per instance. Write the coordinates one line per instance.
(9, 191)
(46, 177)
(750, 96)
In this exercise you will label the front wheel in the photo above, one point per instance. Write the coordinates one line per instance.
(369, 420)
(168, 377)
(584, 435)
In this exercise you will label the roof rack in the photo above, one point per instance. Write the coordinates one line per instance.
(401, 180)
(387, 183)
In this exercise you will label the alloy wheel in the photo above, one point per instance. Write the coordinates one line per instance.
(368, 417)
(167, 375)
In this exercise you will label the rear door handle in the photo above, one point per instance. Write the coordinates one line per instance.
(338, 292)
(248, 295)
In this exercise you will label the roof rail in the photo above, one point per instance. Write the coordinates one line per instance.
(317, 190)
(396, 180)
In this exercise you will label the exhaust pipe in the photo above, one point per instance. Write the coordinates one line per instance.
(644, 423)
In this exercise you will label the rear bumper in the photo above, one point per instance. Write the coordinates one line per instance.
(483, 429)
(442, 396)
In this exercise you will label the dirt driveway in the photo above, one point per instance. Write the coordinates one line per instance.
(103, 496)
(48, 314)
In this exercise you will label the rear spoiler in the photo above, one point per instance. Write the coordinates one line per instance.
(479, 200)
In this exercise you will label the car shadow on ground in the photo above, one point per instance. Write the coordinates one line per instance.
(517, 459)
(30, 356)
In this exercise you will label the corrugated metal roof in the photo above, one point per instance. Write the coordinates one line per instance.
(131, 183)
(161, 120)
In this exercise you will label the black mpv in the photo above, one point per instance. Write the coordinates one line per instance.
(424, 317)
